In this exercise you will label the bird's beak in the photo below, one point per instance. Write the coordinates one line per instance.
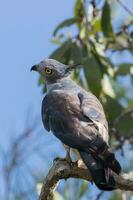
(34, 68)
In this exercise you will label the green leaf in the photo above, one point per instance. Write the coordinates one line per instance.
(79, 12)
(93, 74)
(56, 40)
(108, 86)
(62, 53)
(116, 195)
(65, 23)
(124, 69)
(124, 123)
(98, 52)
(112, 108)
(57, 196)
(76, 53)
(83, 188)
(106, 21)
(97, 26)
(41, 80)
(38, 187)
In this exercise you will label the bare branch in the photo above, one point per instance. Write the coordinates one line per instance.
(99, 195)
(125, 8)
(63, 170)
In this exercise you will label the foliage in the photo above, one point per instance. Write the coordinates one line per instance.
(93, 42)
(92, 39)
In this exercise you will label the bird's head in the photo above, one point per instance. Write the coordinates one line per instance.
(52, 70)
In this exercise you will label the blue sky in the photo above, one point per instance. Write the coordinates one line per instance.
(26, 28)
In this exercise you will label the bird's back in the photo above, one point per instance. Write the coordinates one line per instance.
(62, 113)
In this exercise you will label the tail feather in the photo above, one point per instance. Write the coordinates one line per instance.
(102, 176)
(100, 150)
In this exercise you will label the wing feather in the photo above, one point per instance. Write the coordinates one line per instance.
(93, 110)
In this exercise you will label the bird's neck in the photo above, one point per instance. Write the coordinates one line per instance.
(65, 83)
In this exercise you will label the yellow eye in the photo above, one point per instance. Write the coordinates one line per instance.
(48, 71)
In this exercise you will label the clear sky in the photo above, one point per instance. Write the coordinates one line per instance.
(25, 33)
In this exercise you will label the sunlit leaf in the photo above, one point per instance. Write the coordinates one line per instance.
(41, 80)
(83, 188)
(79, 11)
(38, 187)
(56, 40)
(107, 86)
(57, 196)
(124, 69)
(82, 32)
(97, 25)
(121, 42)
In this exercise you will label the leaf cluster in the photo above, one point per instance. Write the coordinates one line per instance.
(90, 37)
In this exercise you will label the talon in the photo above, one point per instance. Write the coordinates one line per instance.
(72, 164)
(57, 159)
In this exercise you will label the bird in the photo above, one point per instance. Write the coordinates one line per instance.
(76, 117)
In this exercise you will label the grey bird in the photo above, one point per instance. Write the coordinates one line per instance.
(76, 117)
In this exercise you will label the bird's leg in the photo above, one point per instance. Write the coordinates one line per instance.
(79, 160)
(67, 157)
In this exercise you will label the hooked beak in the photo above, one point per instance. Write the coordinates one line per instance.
(34, 68)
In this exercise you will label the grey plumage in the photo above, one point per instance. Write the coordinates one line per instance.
(77, 118)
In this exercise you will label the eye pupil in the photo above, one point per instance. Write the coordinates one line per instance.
(48, 71)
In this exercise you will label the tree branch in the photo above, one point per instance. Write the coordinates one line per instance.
(125, 8)
(64, 170)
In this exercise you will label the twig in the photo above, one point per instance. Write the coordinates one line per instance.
(99, 195)
(63, 170)
(125, 8)
(93, 2)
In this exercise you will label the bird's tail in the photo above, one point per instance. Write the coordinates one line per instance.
(102, 176)
(100, 150)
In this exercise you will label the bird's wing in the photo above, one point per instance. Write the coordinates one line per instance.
(93, 110)
(66, 117)
(53, 119)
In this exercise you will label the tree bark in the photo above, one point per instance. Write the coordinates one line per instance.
(64, 170)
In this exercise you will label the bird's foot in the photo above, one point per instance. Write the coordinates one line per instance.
(66, 159)
(81, 164)
(59, 159)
